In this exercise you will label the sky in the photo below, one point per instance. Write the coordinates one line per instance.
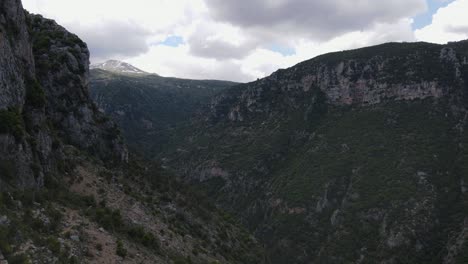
(242, 40)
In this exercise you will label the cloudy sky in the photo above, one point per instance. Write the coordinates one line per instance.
(242, 40)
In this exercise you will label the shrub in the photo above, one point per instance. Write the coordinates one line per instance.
(11, 122)
(138, 234)
(36, 169)
(55, 218)
(19, 259)
(7, 170)
(5, 247)
(120, 250)
(109, 219)
(35, 96)
(99, 247)
(41, 43)
(54, 245)
(73, 260)
(43, 66)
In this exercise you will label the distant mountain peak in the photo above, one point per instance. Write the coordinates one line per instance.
(117, 67)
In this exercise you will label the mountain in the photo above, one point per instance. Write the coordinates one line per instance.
(351, 157)
(70, 192)
(149, 107)
(357, 156)
(118, 67)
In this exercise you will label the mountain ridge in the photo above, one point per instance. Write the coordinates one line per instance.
(117, 66)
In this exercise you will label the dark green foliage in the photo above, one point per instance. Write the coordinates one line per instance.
(7, 170)
(11, 122)
(113, 133)
(36, 169)
(120, 249)
(377, 152)
(54, 245)
(5, 240)
(138, 234)
(19, 259)
(462, 257)
(41, 43)
(35, 96)
(109, 219)
(43, 66)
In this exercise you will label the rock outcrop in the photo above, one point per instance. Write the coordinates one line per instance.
(368, 76)
(44, 100)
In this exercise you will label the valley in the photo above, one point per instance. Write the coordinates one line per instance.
(357, 156)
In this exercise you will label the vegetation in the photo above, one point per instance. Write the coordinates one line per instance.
(161, 104)
(368, 158)
(35, 96)
(120, 249)
(11, 122)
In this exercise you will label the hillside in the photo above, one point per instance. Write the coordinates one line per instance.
(149, 107)
(351, 157)
(69, 190)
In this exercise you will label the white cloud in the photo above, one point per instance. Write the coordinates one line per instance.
(113, 39)
(159, 16)
(222, 43)
(263, 62)
(178, 61)
(448, 24)
(219, 41)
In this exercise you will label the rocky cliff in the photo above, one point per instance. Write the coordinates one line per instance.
(44, 100)
(351, 157)
(368, 76)
(17, 70)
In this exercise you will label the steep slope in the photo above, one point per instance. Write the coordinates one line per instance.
(38, 100)
(351, 157)
(149, 107)
(69, 193)
(117, 67)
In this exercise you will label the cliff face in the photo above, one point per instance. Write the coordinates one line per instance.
(62, 66)
(15, 54)
(368, 76)
(351, 157)
(17, 70)
(44, 102)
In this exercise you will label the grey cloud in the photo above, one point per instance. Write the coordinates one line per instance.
(315, 19)
(114, 39)
(230, 71)
(226, 70)
(457, 29)
(201, 46)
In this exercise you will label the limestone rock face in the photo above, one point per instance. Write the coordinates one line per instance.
(44, 100)
(62, 63)
(368, 76)
(16, 56)
(16, 68)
